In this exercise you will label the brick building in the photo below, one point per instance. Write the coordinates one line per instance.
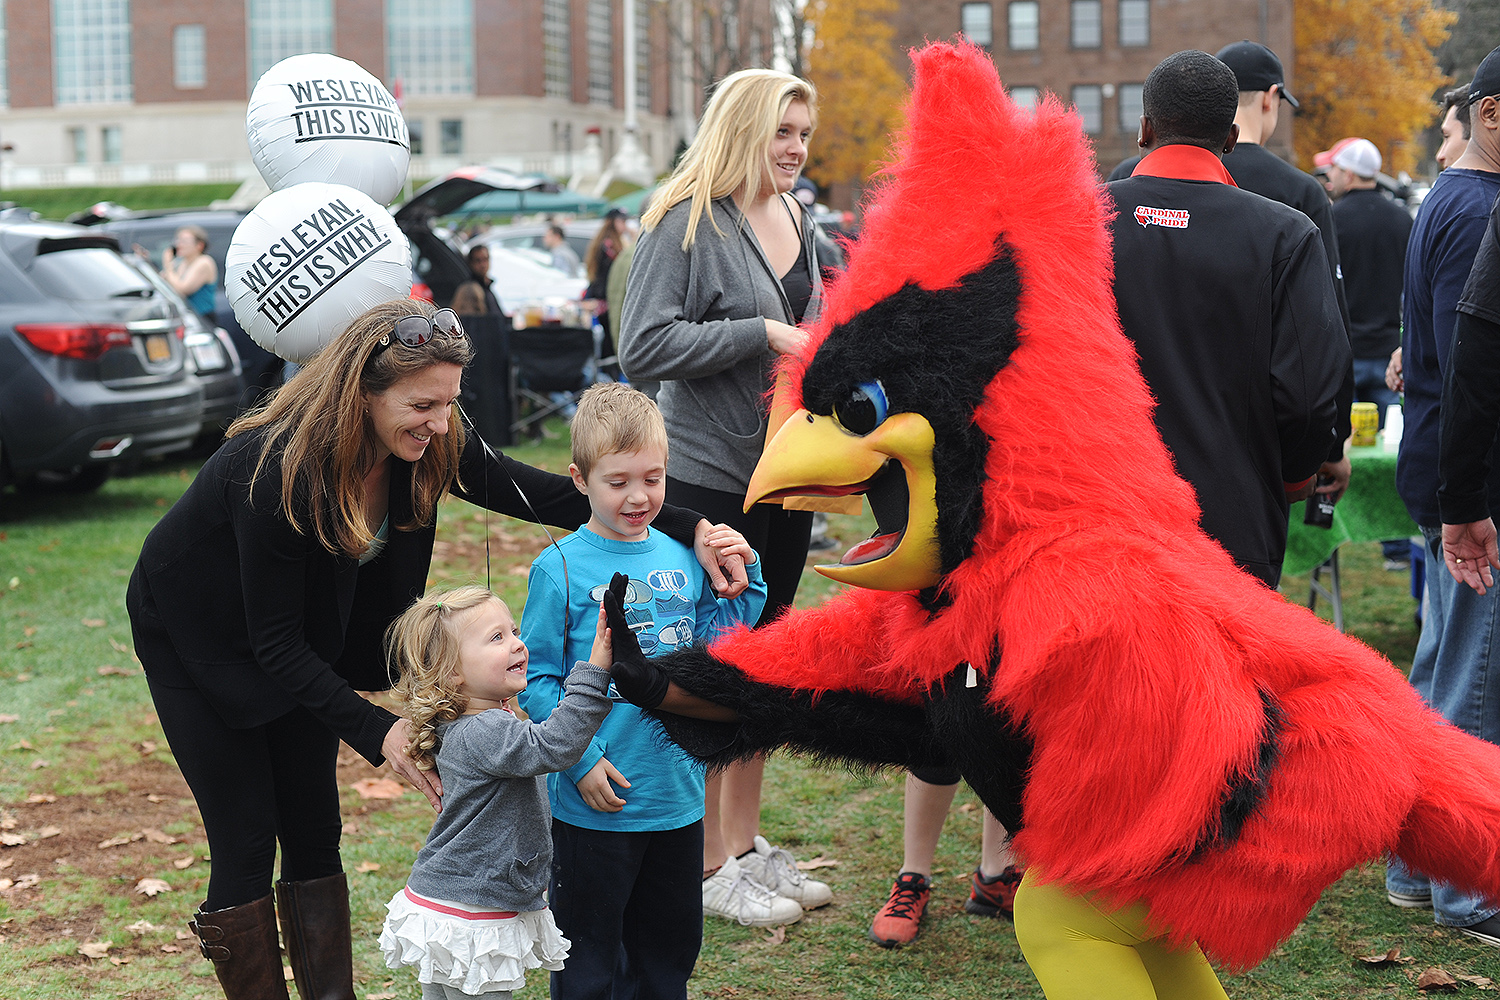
(1095, 54)
(141, 91)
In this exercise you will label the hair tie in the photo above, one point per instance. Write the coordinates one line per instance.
(440, 605)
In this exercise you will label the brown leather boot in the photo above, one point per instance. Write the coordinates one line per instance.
(241, 942)
(315, 927)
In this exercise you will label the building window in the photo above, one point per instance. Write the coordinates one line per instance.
(1135, 22)
(1026, 97)
(414, 132)
(1089, 100)
(601, 52)
(557, 41)
(1025, 24)
(111, 144)
(1088, 30)
(643, 55)
(78, 142)
(281, 28)
(452, 136)
(91, 51)
(1130, 108)
(429, 46)
(187, 57)
(974, 20)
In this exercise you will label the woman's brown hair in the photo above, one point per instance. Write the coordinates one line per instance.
(319, 433)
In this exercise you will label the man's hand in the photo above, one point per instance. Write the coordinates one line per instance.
(1393, 375)
(711, 559)
(394, 749)
(1338, 472)
(1470, 553)
(597, 790)
(638, 680)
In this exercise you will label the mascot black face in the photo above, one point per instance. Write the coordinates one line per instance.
(932, 354)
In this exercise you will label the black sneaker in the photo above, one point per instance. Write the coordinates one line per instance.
(1487, 930)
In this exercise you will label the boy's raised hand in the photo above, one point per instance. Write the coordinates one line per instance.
(602, 655)
(729, 542)
(636, 678)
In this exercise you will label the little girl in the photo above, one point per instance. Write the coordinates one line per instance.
(471, 918)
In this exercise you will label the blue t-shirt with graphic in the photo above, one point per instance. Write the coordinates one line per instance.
(670, 604)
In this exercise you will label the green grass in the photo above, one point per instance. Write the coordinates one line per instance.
(59, 203)
(105, 759)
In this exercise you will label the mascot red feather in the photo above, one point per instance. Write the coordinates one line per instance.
(1042, 608)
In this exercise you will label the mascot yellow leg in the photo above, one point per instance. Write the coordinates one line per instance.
(1073, 947)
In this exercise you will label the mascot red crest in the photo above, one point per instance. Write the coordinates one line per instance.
(1038, 605)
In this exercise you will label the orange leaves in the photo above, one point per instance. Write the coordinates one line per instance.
(1366, 68)
(378, 788)
(853, 63)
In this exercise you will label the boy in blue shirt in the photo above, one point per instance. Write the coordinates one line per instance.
(627, 820)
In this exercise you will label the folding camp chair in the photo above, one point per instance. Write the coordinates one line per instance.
(550, 366)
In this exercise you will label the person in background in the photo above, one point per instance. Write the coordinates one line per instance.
(189, 269)
(476, 297)
(725, 270)
(1455, 128)
(564, 258)
(1457, 661)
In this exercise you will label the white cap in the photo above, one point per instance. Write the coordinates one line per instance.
(1359, 156)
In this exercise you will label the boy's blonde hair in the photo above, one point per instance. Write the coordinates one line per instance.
(422, 648)
(732, 148)
(613, 419)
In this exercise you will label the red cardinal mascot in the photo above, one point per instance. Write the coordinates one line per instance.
(1039, 605)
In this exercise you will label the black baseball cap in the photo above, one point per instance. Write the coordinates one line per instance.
(1486, 77)
(1255, 68)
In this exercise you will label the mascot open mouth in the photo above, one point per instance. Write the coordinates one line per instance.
(891, 465)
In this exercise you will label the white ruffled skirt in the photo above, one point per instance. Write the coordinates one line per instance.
(476, 951)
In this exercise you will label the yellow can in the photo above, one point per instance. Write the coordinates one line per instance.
(1365, 418)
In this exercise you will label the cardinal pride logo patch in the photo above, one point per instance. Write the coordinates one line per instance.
(1172, 218)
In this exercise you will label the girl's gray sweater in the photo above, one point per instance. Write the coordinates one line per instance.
(491, 846)
(696, 321)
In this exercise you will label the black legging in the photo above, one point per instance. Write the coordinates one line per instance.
(254, 787)
(778, 536)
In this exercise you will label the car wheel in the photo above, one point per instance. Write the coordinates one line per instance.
(78, 479)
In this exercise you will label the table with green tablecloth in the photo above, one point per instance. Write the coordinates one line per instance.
(1370, 511)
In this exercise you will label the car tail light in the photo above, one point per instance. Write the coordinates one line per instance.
(421, 290)
(181, 332)
(82, 341)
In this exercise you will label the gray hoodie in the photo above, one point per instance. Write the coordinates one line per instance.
(491, 846)
(695, 321)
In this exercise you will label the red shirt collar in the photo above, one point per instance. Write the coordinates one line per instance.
(1184, 163)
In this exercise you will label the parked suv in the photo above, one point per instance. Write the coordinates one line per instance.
(92, 361)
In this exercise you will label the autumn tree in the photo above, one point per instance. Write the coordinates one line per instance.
(860, 91)
(1367, 68)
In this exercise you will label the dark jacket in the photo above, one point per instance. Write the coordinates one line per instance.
(1233, 315)
(1372, 232)
(264, 618)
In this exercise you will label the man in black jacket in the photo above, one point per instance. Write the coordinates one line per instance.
(1232, 309)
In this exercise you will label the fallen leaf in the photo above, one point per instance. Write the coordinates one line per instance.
(37, 765)
(157, 837)
(27, 881)
(153, 797)
(110, 668)
(142, 927)
(119, 647)
(819, 862)
(94, 622)
(93, 949)
(22, 678)
(119, 841)
(286, 973)
(1483, 982)
(22, 745)
(148, 747)
(967, 807)
(48, 832)
(15, 582)
(39, 798)
(29, 631)
(8, 839)
(380, 996)
(182, 864)
(1382, 959)
(171, 949)
(8, 820)
(5, 883)
(186, 936)
(7, 719)
(351, 827)
(1436, 979)
(152, 886)
(775, 936)
(367, 866)
(119, 960)
(6, 864)
(378, 788)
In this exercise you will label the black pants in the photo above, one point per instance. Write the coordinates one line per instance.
(254, 787)
(778, 536)
(631, 903)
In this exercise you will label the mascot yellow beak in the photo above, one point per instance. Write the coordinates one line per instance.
(892, 465)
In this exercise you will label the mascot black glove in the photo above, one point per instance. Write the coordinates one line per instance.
(636, 678)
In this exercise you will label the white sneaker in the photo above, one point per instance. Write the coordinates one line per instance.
(733, 894)
(776, 869)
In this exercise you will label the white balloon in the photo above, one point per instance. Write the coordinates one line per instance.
(308, 260)
(317, 117)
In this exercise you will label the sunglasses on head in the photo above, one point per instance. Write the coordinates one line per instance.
(414, 331)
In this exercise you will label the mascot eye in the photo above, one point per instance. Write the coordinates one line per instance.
(864, 410)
